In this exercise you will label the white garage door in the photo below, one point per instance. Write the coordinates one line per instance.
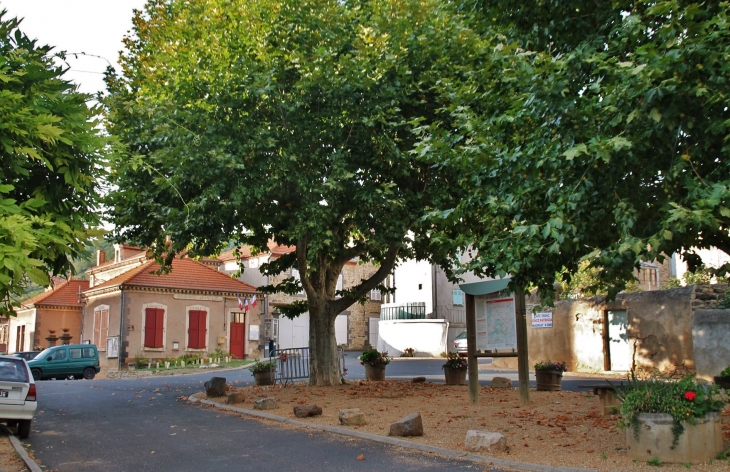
(373, 338)
(294, 333)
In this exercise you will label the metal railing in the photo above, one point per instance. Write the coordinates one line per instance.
(403, 312)
(293, 364)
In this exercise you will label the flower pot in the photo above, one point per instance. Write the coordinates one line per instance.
(375, 372)
(549, 380)
(698, 443)
(455, 376)
(264, 377)
(722, 381)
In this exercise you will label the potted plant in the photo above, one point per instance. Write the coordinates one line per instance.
(374, 362)
(455, 369)
(723, 380)
(657, 413)
(549, 375)
(264, 373)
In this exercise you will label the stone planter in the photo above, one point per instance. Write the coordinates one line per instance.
(549, 380)
(455, 376)
(375, 372)
(722, 381)
(264, 377)
(699, 443)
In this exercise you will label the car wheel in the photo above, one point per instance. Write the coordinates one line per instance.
(12, 424)
(36, 374)
(89, 373)
(24, 429)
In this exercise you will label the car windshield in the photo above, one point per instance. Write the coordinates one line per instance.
(13, 370)
(462, 335)
(43, 354)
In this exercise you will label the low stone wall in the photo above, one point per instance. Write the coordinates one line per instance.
(711, 340)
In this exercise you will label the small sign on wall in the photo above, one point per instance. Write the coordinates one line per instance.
(253, 332)
(542, 320)
(112, 347)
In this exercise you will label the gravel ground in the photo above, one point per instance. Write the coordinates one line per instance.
(557, 429)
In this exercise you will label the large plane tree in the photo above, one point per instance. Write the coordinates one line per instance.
(292, 120)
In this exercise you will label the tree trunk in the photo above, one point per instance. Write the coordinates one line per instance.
(324, 369)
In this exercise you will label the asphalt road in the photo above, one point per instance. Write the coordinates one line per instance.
(145, 425)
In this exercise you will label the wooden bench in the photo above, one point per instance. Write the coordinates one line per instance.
(607, 396)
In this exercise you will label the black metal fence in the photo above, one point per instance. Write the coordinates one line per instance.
(403, 312)
(293, 364)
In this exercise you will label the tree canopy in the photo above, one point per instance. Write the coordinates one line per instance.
(605, 139)
(52, 157)
(295, 121)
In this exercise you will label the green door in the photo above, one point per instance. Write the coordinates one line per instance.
(76, 362)
(56, 363)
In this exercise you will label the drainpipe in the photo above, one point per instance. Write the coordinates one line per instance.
(121, 326)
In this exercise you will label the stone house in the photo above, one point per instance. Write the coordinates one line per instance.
(193, 309)
(50, 318)
(354, 327)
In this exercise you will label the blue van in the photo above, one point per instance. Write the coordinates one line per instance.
(60, 362)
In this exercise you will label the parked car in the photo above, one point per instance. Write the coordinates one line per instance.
(27, 355)
(18, 400)
(460, 343)
(60, 362)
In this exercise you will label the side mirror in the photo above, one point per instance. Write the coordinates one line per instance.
(49, 359)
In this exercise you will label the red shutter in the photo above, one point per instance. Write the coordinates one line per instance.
(159, 325)
(196, 329)
(201, 329)
(149, 327)
(193, 322)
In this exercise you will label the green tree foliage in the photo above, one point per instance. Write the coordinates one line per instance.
(51, 153)
(294, 120)
(605, 139)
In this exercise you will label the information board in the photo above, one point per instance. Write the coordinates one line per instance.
(496, 325)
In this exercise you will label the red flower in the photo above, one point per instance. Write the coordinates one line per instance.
(690, 396)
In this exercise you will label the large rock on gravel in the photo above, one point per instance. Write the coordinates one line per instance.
(484, 441)
(215, 387)
(303, 411)
(501, 382)
(236, 397)
(410, 425)
(264, 404)
(351, 417)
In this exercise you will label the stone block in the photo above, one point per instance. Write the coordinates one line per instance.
(501, 382)
(410, 425)
(236, 397)
(484, 441)
(303, 411)
(351, 417)
(264, 404)
(215, 387)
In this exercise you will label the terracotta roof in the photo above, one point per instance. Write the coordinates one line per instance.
(230, 255)
(111, 261)
(64, 294)
(185, 274)
(278, 250)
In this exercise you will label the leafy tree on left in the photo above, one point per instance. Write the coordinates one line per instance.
(52, 155)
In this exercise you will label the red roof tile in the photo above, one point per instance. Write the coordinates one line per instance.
(185, 274)
(64, 294)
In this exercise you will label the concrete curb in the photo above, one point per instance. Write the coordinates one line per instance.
(393, 441)
(30, 463)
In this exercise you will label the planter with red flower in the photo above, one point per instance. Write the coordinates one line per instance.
(374, 362)
(674, 421)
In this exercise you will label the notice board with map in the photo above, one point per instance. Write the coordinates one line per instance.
(496, 325)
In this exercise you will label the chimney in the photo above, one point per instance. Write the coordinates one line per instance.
(100, 257)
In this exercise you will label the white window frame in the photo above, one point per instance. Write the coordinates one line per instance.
(164, 327)
(101, 342)
(188, 309)
(297, 276)
(376, 295)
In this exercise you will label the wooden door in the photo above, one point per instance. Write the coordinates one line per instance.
(238, 343)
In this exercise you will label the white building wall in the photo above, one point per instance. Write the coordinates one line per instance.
(414, 283)
(426, 337)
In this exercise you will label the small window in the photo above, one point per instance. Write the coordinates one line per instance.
(88, 353)
(376, 295)
(458, 297)
(59, 355)
(74, 353)
(339, 282)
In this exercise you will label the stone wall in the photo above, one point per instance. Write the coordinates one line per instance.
(665, 332)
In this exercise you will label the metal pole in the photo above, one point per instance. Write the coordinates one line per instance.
(471, 349)
(523, 367)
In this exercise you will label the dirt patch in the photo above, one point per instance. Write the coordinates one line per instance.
(557, 429)
(10, 461)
